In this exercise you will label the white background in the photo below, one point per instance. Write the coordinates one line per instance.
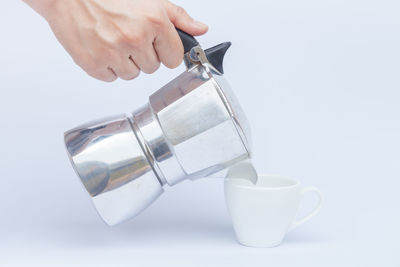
(320, 84)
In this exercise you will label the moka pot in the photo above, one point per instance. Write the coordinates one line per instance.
(190, 128)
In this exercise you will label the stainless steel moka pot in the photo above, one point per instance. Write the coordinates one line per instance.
(191, 128)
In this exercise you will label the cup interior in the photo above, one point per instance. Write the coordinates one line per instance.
(244, 171)
(275, 181)
(244, 174)
(264, 181)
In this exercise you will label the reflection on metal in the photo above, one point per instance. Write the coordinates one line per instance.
(192, 127)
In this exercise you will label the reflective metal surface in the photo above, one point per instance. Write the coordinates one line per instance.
(235, 110)
(191, 128)
(194, 116)
(113, 168)
(165, 162)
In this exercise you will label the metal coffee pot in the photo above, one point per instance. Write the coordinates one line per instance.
(192, 127)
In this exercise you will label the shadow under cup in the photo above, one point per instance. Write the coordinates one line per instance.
(263, 208)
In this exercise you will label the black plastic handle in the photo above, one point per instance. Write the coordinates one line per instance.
(188, 40)
(215, 55)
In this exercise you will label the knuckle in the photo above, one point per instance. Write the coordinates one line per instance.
(130, 76)
(151, 69)
(135, 39)
(135, 74)
(91, 63)
(174, 62)
(180, 11)
(109, 78)
(126, 77)
(96, 64)
(156, 19)
(121, 38)
(94, 67)
(102, 76)
(90, 67)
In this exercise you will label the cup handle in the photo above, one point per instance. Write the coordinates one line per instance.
(314, 212)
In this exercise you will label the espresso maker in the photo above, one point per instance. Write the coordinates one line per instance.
(191, 128)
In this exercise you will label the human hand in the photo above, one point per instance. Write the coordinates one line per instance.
(119, 38)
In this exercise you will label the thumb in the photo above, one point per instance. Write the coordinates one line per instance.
(181, 19)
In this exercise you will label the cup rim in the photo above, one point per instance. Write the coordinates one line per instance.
(255, 187)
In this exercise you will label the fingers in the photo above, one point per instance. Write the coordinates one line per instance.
(145, 57)
(126, 69)
(130, 49)
(168, 46)
(181, 19)
(105, 74)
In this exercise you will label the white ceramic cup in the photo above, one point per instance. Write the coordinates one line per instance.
(262, 213)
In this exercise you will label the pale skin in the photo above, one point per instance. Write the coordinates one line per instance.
(119, 38)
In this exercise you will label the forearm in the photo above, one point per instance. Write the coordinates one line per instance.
(42, 7)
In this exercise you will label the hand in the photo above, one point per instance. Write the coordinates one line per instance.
(119, 38)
